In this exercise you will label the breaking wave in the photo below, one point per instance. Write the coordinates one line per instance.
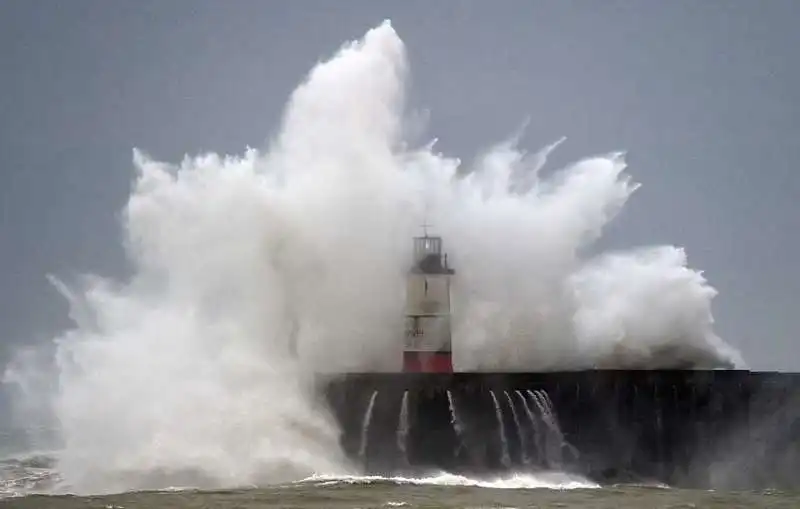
(183, 369)
(542, 480)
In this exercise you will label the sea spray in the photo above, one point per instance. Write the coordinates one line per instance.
(186, 366)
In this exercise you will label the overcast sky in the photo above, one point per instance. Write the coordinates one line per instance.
(704, 95)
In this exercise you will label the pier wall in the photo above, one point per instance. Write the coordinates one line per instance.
(704, 429)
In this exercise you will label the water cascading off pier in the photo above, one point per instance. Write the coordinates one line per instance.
(674, 427)
(402, 430)
(471, 431)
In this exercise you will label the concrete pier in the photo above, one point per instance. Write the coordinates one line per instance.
(704, 429)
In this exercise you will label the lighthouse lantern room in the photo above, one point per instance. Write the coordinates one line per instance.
(428, 344)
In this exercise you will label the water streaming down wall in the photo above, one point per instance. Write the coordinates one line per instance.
(553, 438)
(501, 432)
(458, 426)
(466, 443)
(523, 442)
(362, 450)
(402, 429)
(536, 447)
(685, 428)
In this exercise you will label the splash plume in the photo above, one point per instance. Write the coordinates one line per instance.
(184, 369)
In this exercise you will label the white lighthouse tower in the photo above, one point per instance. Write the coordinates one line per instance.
(428, 344)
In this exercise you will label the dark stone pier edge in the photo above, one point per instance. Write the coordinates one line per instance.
(704, 429)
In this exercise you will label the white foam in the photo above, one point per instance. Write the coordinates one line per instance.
(543, 480)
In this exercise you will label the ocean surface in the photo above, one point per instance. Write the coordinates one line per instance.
(29, 483)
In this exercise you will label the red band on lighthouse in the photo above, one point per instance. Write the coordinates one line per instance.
(427, 362)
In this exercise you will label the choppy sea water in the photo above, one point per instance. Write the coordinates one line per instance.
(29, 482)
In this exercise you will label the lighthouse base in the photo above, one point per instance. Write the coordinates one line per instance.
(703, 429)
(427, 362)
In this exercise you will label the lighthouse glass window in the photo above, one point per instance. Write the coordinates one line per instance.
(433, 245)
(425, 246)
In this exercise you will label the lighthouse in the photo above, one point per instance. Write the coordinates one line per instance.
(428, 342)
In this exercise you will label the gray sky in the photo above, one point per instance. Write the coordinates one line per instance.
(705, 96)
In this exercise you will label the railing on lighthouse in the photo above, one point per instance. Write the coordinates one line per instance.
(428, 342)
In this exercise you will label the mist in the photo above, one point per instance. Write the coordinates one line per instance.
(184, 369)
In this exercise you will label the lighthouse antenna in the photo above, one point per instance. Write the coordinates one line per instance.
(425, 226)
